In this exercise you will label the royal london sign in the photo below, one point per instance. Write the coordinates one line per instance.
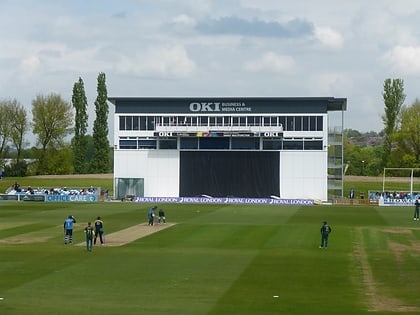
(219, 107)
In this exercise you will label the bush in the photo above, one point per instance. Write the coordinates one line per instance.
(16, 169)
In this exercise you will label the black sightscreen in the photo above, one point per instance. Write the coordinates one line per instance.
(233, 173)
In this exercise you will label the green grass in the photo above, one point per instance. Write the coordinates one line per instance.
(217, 259)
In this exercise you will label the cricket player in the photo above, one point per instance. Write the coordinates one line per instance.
(89, 236)
(325, 232)
(151, 214)
(68, 229)
(99, 230)
(162, 217)
(416, 209)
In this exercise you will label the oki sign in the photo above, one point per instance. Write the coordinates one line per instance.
(272, 134)
(205, 107)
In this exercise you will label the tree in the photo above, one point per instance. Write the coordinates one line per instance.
(394, 98)
(408, 136)
(100, 161)
(5, 126)
(19, 126)
(52, 120)
(79, 141)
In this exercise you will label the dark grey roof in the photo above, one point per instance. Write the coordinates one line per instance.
(247, 105)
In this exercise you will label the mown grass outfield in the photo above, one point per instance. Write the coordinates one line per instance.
(216, 259)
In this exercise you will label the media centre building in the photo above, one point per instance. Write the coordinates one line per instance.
(253, 147)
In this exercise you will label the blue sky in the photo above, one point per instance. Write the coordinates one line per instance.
(213, 48)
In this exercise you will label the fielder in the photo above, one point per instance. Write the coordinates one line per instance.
(89, 236)
(325, 232)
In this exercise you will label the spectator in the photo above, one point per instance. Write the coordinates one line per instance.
(16, 187)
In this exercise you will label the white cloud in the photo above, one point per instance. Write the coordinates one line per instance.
(330, 84)
(158, 62)
(184, 20)
(29, 65)
(403, 59)
(270, 62)
(328, 37)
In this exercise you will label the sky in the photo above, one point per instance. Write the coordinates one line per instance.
(165, 48)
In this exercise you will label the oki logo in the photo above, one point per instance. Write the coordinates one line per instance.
(205, 107)
(271, 134)
(165, 134)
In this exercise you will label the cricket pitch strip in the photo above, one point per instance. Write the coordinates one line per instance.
(131, 234)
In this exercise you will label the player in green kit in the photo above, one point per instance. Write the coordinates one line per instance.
(90, 233)
(325, 232)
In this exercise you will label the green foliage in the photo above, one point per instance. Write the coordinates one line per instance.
(394, 97)
(100, 161)
(408, 136)
(52, 119)
(13, 126)
(362, 159)
(80, 141)
(16, 169)
(60, 162)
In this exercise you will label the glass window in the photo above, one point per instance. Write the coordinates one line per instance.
(305, 123)
(212, 121)
(282, 122)
(147, 144)
(168, 144)
(128, 144)
(204, 120)
(142, 123)
(290, 123)
(319, 123)
(266, 121)
(293, 145)
(122, 122)
(245, 143)
(235, 121)
(189, 143)
(129, 123)
(181, 120)
(226, 121)
(158, 121)
(221, 143)
(313, 144)
(165, 121)
(242, 121)
(273, 121)
(136, 123)
(312, 123)
(150, 123)
(219, 121)
(272, 144)
(298, 123)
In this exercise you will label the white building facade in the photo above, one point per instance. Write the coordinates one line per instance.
(256, 147)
